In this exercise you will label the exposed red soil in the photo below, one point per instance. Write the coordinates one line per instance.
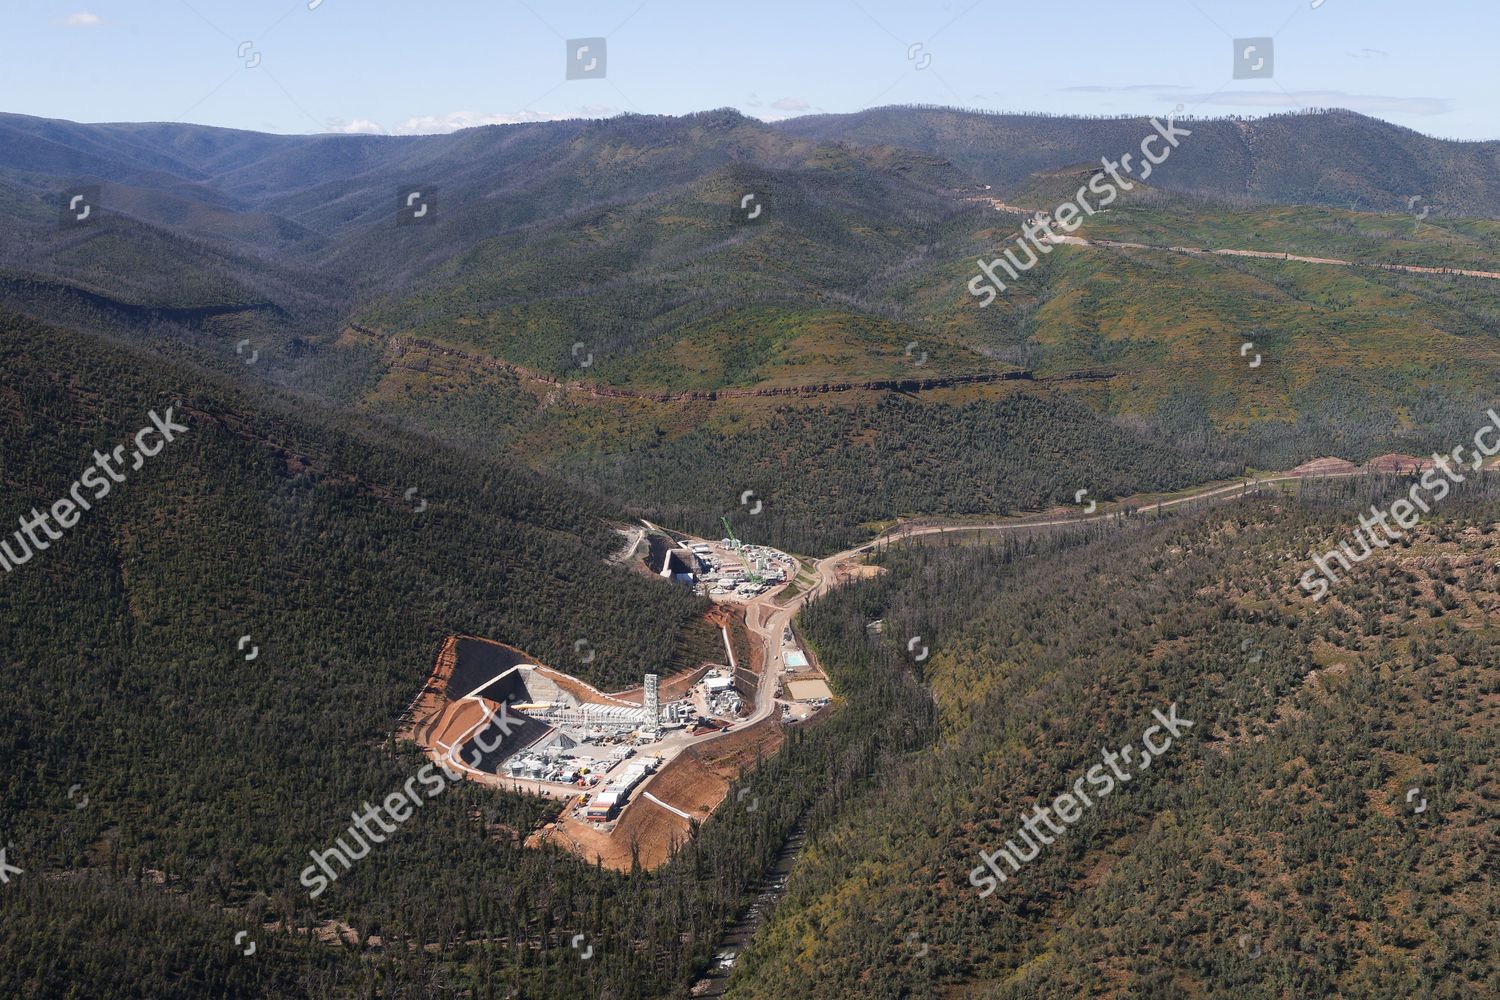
(583, 690)
(455, 720)
(668, 688)
(433, 697)
(1398, 464)
(696, 782)
(849, 572)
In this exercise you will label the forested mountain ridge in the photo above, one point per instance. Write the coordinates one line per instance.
(622, 253)
(1324, 827)
(1276, 159)
(204, 673)
(402, 427)
(212, 771)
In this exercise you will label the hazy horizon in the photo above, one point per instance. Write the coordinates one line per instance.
(1032, 113)
(316, 66)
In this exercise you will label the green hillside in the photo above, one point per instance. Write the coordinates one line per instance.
(614, 254)
(1329, 157)
(1274, 851)
(209, 776)
(400, 430)
(201, 779)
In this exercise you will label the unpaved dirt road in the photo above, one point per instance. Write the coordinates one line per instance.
(764, 617)
(1079, 241)
(767, 620)
(1269, 255)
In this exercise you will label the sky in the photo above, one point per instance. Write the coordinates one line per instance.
(383, 66)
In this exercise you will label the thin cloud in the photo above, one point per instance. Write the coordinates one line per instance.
(1374, 104)
(82, 19)
(360, 126)
(790, 104)
(455, 120)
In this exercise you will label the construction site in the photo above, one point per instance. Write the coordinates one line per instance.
(724, 570)
(635, 768)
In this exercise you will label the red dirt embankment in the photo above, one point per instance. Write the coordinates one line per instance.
(416, 723)
(668, 688)
(397, 347)
(695, 782)
(1404, 464)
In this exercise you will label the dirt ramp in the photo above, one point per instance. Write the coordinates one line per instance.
(696, 782)
(427, 708)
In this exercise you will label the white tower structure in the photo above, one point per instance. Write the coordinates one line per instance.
(653, 706)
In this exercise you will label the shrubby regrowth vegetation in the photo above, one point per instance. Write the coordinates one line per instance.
(1275, 850)
(403, 433)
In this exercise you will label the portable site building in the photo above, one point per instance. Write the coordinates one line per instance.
(602, 806)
